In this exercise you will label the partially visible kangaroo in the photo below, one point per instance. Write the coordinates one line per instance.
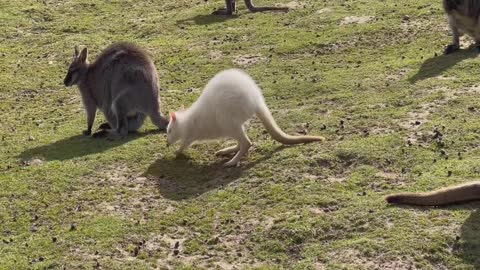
(123, 83)
(462, 193)
(231, 7)
(464, 18)
(229, 99)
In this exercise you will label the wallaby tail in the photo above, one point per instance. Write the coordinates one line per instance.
(253, 8)
(277, 134)
(456, 194)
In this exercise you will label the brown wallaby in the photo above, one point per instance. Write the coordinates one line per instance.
(231, 7)
(463, 193)
(123, 83)
(464, 18)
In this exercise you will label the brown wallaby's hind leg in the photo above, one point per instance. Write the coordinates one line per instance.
(455, 46)
(228, 10)
(135, 122)
(104, 126)
(253, 8)
(120, 110)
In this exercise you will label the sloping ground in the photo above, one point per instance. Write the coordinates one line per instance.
(368, 75)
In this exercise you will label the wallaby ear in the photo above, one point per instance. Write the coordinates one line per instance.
(173, 116)
(182, 108)
(83, 55)
(77, 52)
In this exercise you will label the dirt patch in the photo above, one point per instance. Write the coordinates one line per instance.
(215, 55)
(293, 5)
(444, 78)
(357, 20)
(387, 175)
(32, 162)
(324, 10)
(420, 115)
(136, 197)
(247, 60)
(354, 258)
(466, 42)
(337, 179)
(401, 74)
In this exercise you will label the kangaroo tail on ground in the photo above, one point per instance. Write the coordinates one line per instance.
(449, 195)
(276, 132)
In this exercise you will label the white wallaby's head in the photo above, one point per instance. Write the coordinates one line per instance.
(77, 68)
(173, 130)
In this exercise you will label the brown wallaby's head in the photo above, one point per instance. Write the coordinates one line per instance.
(77, 68)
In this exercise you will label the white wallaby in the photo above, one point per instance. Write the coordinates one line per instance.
(229, 99)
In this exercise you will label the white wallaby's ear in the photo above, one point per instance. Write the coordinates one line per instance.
(173, 117)
(182, 108)
(77, 52)
(83, 55)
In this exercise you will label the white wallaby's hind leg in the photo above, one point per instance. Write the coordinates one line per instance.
(227, 151)
(244, 144)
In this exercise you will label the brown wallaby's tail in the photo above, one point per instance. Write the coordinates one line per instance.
(267, 119)
(253, 8)
(456, 194)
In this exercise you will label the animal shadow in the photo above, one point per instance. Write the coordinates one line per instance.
(436, 65)
(181, 178)
(206, 19)
(78, 146)
(468, 245)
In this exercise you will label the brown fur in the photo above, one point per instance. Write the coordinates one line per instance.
(122, 82)
(463, 17)
(456, 194)
(231, 7)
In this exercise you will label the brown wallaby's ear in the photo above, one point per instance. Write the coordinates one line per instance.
(83, 55)
(77, 52)
(173, 117)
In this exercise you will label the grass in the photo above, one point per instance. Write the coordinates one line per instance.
(68, 201)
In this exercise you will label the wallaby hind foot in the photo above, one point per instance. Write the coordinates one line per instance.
(227, 151)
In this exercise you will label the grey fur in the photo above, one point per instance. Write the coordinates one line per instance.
(231, 7)
(122, 82)
(463, 17)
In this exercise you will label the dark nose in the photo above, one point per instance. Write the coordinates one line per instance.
(67, 79)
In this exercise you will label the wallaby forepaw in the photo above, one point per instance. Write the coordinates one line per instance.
(232, 164)
(105, 126)
(222, 11)
(87, 132)
(451, 48)
(100, 134)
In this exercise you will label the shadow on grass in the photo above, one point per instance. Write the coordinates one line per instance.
(467, 246)
(435, 66)
(182, 178)
(206, 19)
(78, 146)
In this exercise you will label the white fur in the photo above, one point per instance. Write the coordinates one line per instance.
(229, 99)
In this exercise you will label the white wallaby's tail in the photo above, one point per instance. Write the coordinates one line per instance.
(277, 134)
